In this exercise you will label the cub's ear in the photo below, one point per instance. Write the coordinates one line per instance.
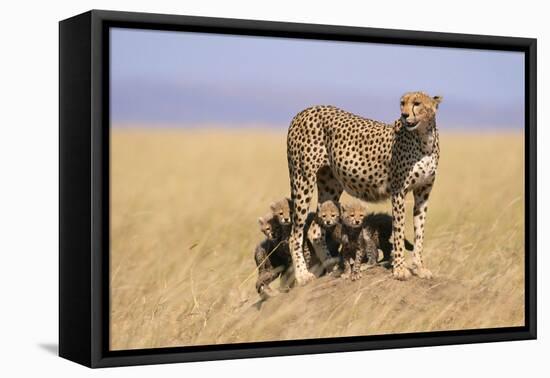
(288, 200)
(261, 221)
(437, 100)
(273, 206)
(343, 207)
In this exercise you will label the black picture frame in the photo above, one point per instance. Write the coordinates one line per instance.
(84, 188)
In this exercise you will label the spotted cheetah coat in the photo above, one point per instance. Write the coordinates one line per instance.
(335, 150)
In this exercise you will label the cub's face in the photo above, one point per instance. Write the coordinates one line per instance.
(269, 227)
(281, 210)
(329, 213)
(353, 215)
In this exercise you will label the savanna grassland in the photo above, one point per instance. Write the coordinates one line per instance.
(184, 210)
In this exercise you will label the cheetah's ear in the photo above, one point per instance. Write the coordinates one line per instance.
(437, 100)
(273, 206)
(261, 221)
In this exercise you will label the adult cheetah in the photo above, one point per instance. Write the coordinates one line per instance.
(336, 150)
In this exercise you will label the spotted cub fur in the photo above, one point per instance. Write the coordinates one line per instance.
(282, 211)
(358, 241)
(378, 226)
(272, 254)
(324, 232)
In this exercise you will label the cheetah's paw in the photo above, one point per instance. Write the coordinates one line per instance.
(355, 276)
(422, 272)
(266, 292)
(402, 273)
(345, 275)
(367, 266)
(304, 278)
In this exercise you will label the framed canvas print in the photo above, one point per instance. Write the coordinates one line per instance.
(235, 188)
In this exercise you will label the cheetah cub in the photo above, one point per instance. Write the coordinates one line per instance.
(324, 232)
(357, 240)
(282, 211)
(272, 254)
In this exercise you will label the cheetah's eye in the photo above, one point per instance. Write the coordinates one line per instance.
(402, 103)
(280, 213)
(417, 103)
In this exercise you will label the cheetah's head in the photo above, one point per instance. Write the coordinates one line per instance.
(418, 110)
(268, 226)
(353, 215)
(328, 213)
(281, 210)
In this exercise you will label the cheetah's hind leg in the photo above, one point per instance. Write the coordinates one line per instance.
(302, 189)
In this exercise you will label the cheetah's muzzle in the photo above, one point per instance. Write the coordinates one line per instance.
(411, 125)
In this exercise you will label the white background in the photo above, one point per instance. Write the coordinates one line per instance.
(29, 186)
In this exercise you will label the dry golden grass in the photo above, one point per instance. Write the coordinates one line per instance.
(184, 224)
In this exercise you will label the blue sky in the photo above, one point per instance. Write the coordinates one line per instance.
(161, 78)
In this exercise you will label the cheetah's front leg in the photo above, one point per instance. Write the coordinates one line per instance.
(347, 267)
(420, 208)
(266, 272)
(346, 257)
(400, 271)
(356, 270)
